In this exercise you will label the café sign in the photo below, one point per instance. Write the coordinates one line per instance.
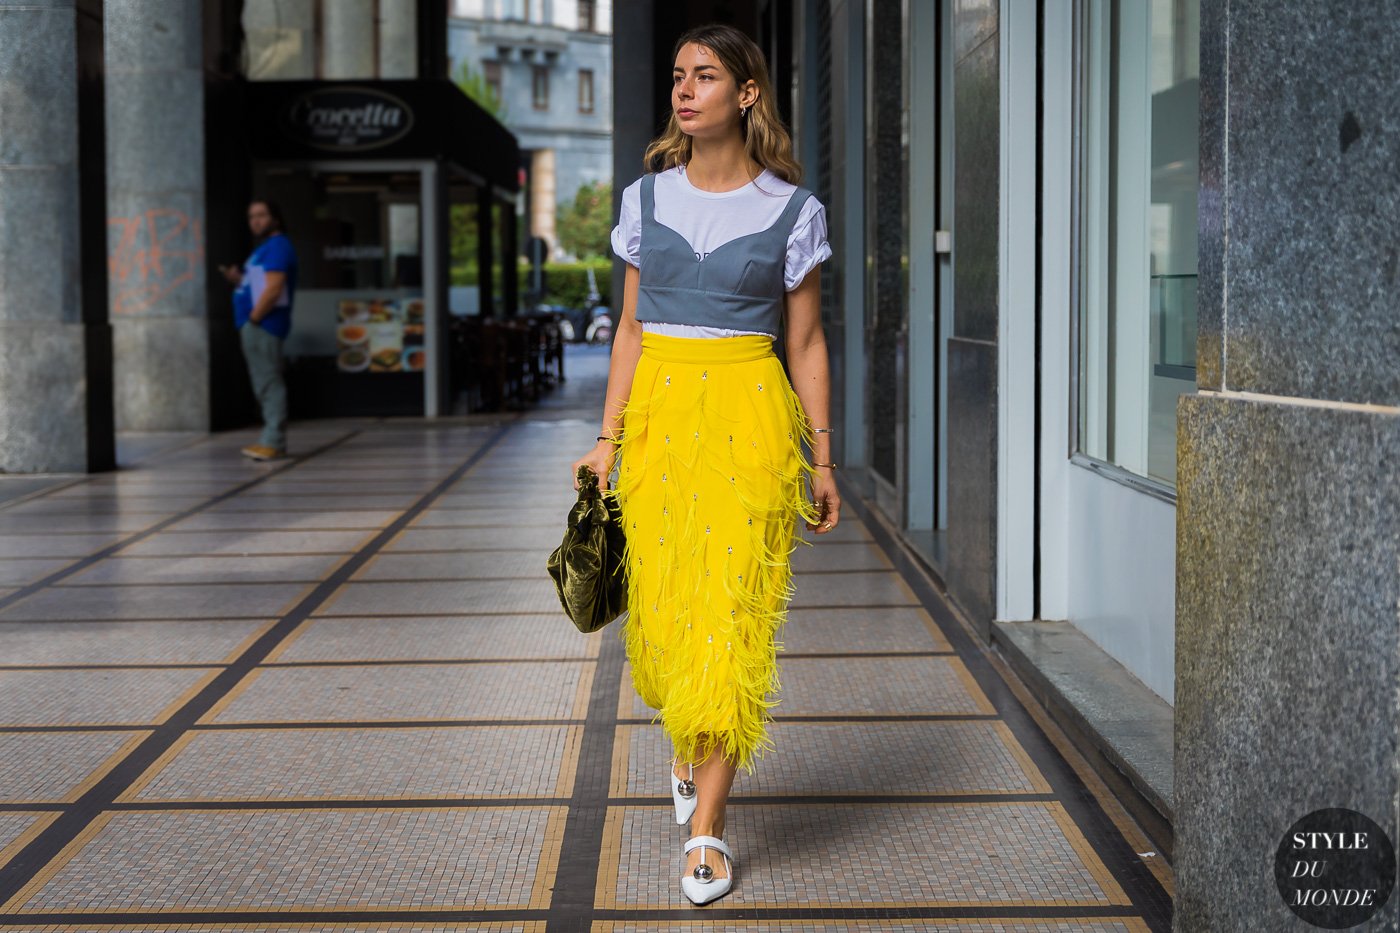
(347, 119)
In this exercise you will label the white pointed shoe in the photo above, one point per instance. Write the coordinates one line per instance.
(701, 885)
(683, 794)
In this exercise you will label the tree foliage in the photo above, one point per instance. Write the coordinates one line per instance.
(473, 84)
(584, 227)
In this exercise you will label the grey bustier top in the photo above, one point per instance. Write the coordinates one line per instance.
(740, 285)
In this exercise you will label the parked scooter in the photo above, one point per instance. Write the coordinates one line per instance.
(599, 329)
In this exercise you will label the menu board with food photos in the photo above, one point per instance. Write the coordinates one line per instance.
(380, 335)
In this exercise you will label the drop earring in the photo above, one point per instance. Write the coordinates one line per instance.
(743, 111)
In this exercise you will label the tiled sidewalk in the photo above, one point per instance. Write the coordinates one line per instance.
(336, 693)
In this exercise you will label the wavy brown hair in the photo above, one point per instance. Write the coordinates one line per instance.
(766, 140)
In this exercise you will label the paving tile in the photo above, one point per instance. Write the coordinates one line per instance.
(428, 597)
(410, 692)
(178, 544)
(108, 504)
(844, 758)
(358, 859)
(95, 696)
(186, 642)
(209, 601)
(57, 767)
(366, 764)
(858, 630)
(854, 686)
(540, 539)
(867, 855)
(495, 518)
(867, 588)
(225, 569)
(293, 483)
(83, 523)
(22, 571)
(438, 638)
(455, 565)
(326, 519)
(827, 557)
(391, 926)
(296, 501)
(55, 545)
(1037, 925)
(17, 828)
(558, 500)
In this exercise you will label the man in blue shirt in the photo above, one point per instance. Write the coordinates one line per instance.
(262, 311)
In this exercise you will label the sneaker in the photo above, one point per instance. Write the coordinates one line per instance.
(259, 452)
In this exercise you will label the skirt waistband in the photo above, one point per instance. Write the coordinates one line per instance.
(739, 349)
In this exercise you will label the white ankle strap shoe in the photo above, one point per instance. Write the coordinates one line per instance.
(683, 794)
(701, 885)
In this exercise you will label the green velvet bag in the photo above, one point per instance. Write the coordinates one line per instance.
(587, 568)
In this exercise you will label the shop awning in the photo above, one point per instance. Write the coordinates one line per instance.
(418, 119)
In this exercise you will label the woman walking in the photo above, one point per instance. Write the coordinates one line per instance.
(723, 251)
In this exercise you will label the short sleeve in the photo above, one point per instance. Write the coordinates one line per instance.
(627, 235)
(277, 255)
(807, 244)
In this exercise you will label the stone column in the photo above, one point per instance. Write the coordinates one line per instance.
(155, 208)
(347, 40)
(544, 199)
(1288, 464)
(55, 345)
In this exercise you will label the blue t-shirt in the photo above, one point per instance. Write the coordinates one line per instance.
(275, 254)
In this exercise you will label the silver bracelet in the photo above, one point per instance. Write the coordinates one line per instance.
(823, 430)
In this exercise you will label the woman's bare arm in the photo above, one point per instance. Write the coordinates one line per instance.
(626, 350)
(810, 370)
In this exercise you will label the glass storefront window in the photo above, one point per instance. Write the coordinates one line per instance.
(1139, 176)
(303, 40)
(358, 236)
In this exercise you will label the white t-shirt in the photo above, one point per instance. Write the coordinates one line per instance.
(709, 219)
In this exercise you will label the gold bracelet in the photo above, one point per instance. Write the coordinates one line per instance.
(832, 465)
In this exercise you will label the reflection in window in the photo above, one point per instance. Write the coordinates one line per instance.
(1139, 176)
(301, 40)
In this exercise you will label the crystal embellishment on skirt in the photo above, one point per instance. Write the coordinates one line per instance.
(731, 549)
(760, 387)
(668, 438)
(668, 380)
(705, 374)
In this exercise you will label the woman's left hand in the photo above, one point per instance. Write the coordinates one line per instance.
(827, 501)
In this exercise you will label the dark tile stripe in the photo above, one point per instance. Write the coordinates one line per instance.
(109, 550)
(1137, 881)
(28, 862)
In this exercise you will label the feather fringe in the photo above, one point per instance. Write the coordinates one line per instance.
(712, 481)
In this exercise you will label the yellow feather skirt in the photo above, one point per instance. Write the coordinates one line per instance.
(712, 480)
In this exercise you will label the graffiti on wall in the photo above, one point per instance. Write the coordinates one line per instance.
(151, 255)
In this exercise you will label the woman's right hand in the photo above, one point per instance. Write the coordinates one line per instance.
(599, 460)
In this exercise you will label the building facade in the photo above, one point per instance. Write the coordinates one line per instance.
(549, 63)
